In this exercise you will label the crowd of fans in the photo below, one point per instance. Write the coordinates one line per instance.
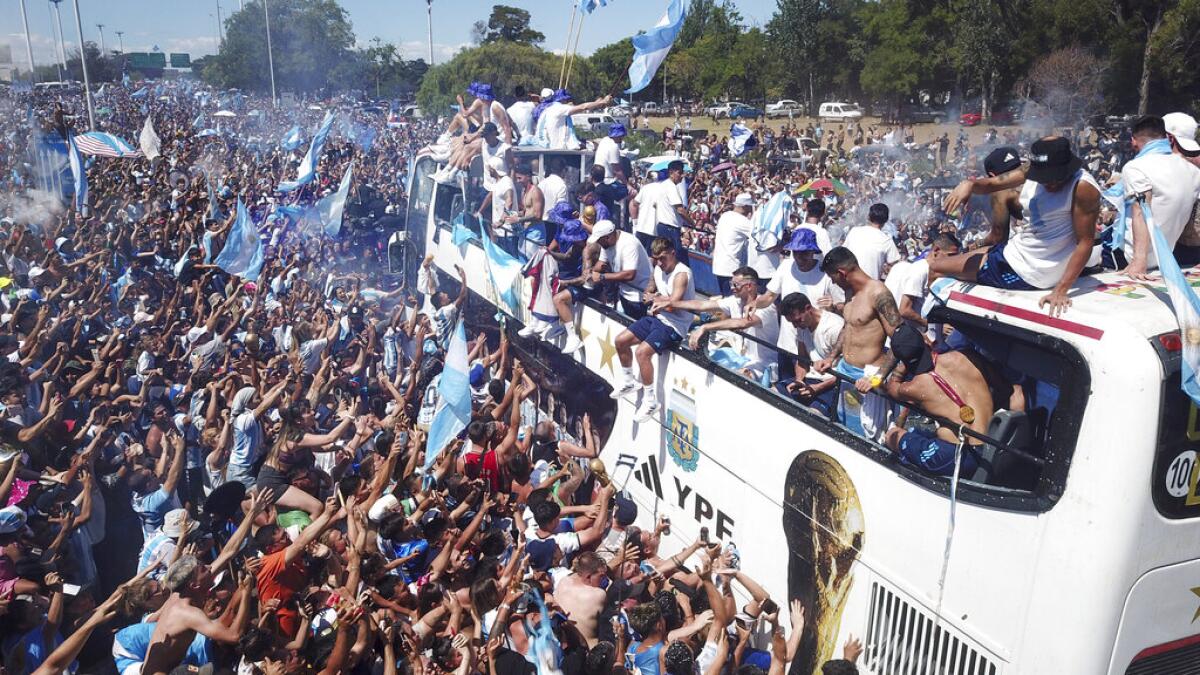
(199, 472)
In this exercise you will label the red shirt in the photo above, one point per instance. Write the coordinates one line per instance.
(279, 579)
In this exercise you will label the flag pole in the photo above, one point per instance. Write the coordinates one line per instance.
(571, 65)
(566, 48)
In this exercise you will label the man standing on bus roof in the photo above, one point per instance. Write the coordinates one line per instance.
(1169, 186)
(608, 153)
(1181, 130)
(956, 386)
(652, 335)
(671, 215)
(1063, 203)
(871, 317)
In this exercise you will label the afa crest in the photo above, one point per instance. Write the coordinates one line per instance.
(682, 433)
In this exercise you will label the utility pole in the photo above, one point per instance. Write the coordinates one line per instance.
(220, 28)
(100, 27)
(62, 43)
(270, 57)
(87, 83)
(429, 7)
(121, 40)
(28, 44)
(57, 49)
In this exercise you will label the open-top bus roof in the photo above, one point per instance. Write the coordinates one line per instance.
(1100, 303)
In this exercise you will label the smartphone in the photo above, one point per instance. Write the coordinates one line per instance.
(633, 535)
(71, 589)
(769, 606)
(704, 535)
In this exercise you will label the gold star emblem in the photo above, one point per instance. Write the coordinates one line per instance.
(1196, 592)
(607, 350)
(683, 384)
(583, 334)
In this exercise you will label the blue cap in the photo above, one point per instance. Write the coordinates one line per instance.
(803, 239)
(429, 347)
(481, 90)
(561, 212)
(617, 130)
(478, 375)
(541, 553)
(12, 519)
(562, 95)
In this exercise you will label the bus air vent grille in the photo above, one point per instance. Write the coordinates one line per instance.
(903, 639)
(1182, 661)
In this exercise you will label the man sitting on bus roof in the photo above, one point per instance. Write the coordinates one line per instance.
(956, 386)
(653, 335)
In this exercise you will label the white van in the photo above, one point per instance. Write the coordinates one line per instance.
(590, 121)
(839, 111)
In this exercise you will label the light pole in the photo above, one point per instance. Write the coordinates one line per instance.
(429, 7)
(270, 57)
(57, 50)
(87, 83)
(220, 28)
(28, 44)
(100, 27)
(62, 43)
(121, 40)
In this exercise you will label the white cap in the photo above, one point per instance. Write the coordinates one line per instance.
(744, 199)
(1183, 127)
(602, 228)
(497, 164)
(173, 523)
(547, 92)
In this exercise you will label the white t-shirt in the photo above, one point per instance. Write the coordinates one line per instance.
(680, 319)
(488, 152)
(666, 199)
(558, 134)
(909, 279)
(310, 354)
(819, 343)
(1174, 184)
(554, 190)
(521, 114)
(814, 284)
(607, 154)
(502, 190)
(1038, 253)
(759, 354)
(629, 254)
(873, 248)
(247, 439)
(729, 244)
(647, 213)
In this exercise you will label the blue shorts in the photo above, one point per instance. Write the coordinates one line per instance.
(997, 273)
(924, 450)
(655, 333)
(579, 293)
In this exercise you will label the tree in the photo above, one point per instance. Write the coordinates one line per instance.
(509, 24)
(312, 42)
(100, 68)
(1069, 82)
(504, 65)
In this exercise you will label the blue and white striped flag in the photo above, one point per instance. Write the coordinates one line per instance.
(769, 222)
(650, 48)
(243, 252)
(1185, 302)
(140, 93)
(453, 410)
(741, 140)
(325, 217)
(504, 271)
(79, 175)
(105, 145)
(292, 139)
(589, 6)
(308, 167)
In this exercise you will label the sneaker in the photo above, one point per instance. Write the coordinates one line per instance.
(625, 390)
(572, 345)
(553, 331)
(648, 410)
(529, 330)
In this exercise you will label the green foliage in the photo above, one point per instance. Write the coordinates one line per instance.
(507, 24)
(100, 69)
(504, 65)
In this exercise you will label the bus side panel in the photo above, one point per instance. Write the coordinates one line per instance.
(1159, 620)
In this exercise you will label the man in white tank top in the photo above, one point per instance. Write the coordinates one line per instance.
(652, 335)
(1062, 204)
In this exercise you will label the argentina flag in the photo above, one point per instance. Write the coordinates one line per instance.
(292, 139)
(243, 252)
(589, 6)
(770, 221)
(650, 49)
(741, 140)
(308, 167)
(79, 175)
(504, 271)
(1183, 300)
(453, 410)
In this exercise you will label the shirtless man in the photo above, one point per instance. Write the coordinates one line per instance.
(181, 617)
(1005, 204)
(959, 386)
(581, 595)
(871, 317)
(533, 203)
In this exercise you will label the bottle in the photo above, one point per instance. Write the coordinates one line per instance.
(735, 558)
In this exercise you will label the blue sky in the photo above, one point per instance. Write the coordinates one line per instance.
(191, 25)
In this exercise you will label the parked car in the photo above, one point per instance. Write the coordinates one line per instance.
(975, 117)
(744, 112)
(592, 121)
(619, 113)
(919, 114)
(650, 109)
(783, 108)
(833, 110)
(723, 109)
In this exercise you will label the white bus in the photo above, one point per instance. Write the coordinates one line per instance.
(1075, 551)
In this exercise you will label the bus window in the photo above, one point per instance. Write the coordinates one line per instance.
(1176, 468)
(421, 192)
